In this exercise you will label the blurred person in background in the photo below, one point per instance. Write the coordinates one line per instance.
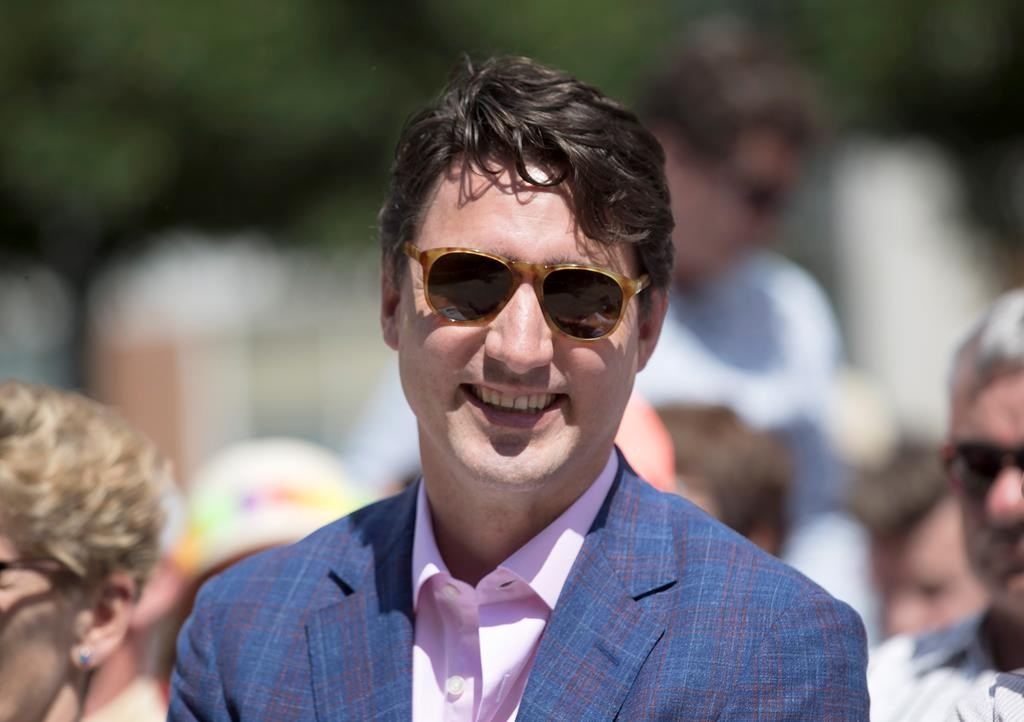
(1000, 701)
(80, 521)
(746, 328)
(919, 566)
(738, 475)
(923, 677)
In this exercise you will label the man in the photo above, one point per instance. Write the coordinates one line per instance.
(529, 574)
(923, 677)
(918, 561)
(752, 330)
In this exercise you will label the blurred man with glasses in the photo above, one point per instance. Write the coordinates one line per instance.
(529, 573)
(923, 677)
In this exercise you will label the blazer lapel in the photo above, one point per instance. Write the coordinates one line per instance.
(599, 634)
(360, 647)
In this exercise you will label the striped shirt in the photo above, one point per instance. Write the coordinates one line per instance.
(1001, 701)
(923, 678)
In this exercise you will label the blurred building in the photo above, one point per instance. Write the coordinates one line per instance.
(203, 342)
(910, 272)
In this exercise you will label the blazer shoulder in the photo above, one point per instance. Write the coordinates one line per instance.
(350, 544)
(708, 554)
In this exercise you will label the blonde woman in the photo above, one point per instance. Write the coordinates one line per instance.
(80, 517)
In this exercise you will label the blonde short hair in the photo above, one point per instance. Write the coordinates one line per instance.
(78, 484)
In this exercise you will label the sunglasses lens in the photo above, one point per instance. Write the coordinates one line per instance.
(582, 303)
(467, 287)
(978, 467)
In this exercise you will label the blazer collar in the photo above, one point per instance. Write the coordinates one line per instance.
(601, 632)
(598, 637)
(360, 647)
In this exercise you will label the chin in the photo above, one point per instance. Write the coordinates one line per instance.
(514, 467)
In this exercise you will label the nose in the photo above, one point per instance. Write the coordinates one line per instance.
(1004, 503)
(519, 337)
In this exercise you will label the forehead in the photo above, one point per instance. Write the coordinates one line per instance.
(503, 214)
(995, 412)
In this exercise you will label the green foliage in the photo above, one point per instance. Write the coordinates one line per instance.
(128, 117)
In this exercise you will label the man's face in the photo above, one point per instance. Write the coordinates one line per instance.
(725, 209)
(449, 369)
(994, 521)
(923, 577)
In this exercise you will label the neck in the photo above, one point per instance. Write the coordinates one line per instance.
(1005, 632)
(478, 525)
(118, 672)
(66, 706)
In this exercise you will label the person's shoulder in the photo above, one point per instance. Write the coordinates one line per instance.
(999, 701)
(721, 561)
(922, 676)
(771, 267)
(347, 542)
(766, 633)
(787, 282)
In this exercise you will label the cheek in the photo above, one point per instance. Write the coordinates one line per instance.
(35, 640)
(597, 374)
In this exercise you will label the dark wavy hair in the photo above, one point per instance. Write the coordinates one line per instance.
(515, 112)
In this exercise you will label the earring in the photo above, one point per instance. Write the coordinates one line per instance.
(84, 657)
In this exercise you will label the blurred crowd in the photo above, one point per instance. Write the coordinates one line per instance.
(102, 549)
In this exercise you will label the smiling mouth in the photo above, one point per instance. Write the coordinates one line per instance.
(524, 404)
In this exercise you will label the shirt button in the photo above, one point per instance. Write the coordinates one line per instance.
(451, 591)
(455, 686)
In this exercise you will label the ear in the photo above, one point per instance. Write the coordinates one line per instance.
(103, 623)
(946, 454)
(161, 594)
(650, 322)
(390, 298)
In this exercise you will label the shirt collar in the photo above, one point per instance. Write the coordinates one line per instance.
(961, 645)
(544, 562)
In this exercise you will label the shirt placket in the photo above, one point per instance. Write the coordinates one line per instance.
(462, 650)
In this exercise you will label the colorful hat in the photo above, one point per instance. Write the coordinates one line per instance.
(258, 494)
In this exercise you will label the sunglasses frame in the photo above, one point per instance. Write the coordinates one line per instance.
(970, 480)
(520, 270)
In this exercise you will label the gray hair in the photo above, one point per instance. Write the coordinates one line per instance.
(992, 346)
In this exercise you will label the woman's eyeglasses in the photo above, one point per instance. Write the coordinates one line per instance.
(976, 466)
(471, 287)
(40, 564)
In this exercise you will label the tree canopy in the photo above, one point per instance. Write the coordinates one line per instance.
(121, 118)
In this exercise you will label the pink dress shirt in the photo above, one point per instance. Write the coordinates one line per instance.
(474, 646)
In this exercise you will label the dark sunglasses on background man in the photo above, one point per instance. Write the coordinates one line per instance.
(976, 465)
(471, 287)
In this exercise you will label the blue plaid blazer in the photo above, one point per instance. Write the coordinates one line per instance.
(665, 615)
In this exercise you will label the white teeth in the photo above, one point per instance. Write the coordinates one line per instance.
(532, 402)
